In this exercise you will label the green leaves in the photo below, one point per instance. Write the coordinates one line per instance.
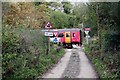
(59, 20)
(111, 40)
(24, 54)
(67, 7)
(26, 15)
(10, 43)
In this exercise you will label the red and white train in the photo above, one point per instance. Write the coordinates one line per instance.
(67, 36)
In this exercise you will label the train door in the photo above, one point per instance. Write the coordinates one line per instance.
(75, 38)
(67, 37)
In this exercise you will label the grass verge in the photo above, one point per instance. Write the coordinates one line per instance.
(106, 64)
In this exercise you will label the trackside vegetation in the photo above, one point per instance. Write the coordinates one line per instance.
(26, 60)
(106, 64)
(104, 49)
(24, 46)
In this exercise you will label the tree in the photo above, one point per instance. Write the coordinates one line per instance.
(67, 7)
(109, 22)
(25, 14)
(86, 15)
(59, 20)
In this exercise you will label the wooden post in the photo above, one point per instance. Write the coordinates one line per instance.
(48, 26)
(49, 40)
(48, 46)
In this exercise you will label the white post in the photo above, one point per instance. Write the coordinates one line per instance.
(87, 39)
(87, 36)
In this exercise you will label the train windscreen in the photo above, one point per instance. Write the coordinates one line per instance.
(60, 35)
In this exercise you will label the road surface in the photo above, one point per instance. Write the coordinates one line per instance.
(74, 64)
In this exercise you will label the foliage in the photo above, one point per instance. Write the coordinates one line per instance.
(23, 54)
(108, 25)
(101, 68)
(107, 53)
(25, 15)
(24, 51)
(106, 63)
(9, 52)
(71, 21)
(111, 40)
(67, 7)
(86, 14)
(59, 20)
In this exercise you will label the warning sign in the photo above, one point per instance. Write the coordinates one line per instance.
(86, 32)
(87, 29)
(48, 25)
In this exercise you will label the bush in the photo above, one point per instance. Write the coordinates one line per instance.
(10, 52)
(25, 57)
(94, 46)
(106, 61)
(111, 41)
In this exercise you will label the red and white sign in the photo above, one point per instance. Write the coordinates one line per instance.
(87, 29)
(86, 32)
(55, 33)
(48, 25)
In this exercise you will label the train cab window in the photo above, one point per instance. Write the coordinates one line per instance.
(60, 35)
(73, 34)
(67, 35)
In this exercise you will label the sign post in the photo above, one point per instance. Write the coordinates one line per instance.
(48, 26)
(49, 40)
(87, 34)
